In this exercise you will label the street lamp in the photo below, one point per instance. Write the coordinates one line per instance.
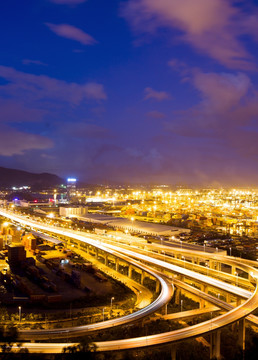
(184, 260)
(19, 308)
(181, 304)
(236, 273)
(103, 315)
(111, 301)
(207, 265)
(230, 251)
(163, 252)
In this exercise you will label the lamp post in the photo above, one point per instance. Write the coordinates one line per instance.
(163, 252)
(184, 260)
(111, 302)
(181, 305)
(236, 273)
(103, 315)
(230, 251)
(19, 308)
(207, 266)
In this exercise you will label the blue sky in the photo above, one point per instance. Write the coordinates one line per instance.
(131, 91)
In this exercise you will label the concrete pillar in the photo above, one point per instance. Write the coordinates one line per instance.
(177, 296)
(117, 264)
(215, 345)
(157, 286)
(130, 268)
(204, 288)
(228, 298)
(202, 303)
(106, 259)
(142, 277)
(241, 333)
(233, 270)
(173, 352)
(238, 301)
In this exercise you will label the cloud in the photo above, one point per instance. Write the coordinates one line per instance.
(71, 32)
(41, 87)
(212, 27)
(155, 114)
(227, 113)
(16, 112)
(68, 2)
(35, 62)
(14, 142)
(156, 95)
(85, 130)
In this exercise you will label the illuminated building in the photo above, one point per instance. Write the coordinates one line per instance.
(71, 188)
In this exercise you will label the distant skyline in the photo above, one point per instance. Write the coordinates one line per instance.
(131, 90)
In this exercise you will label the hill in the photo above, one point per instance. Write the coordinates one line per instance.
(13, 177)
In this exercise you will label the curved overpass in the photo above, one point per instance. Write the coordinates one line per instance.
(230, 317)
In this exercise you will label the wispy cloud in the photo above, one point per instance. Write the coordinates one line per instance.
(149, 93)
(212, 27)
(15, 142)
(36, 87)
(154, 114)
(14, 111)
(71, 32)
(85, 130)
(227, 112)
(34, 62)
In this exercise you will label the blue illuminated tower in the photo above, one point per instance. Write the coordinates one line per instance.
(71, 188)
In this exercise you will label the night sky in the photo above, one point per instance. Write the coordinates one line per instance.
(134, 91)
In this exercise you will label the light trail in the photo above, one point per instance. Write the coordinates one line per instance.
(230, 317)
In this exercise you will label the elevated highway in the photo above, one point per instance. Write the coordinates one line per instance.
(213, 326)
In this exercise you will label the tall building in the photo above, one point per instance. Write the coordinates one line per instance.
(71, 188)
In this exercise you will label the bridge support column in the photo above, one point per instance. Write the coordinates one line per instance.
(177, 296)
(157, 286)
(142, 277)
(233, 270)
(173, 352)
(117, 264)
(130, 268)
(228, 298)
(238, 301)
(204, 288)
(202, 303)
(106, 259)
(215, 345)
(241, 333)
